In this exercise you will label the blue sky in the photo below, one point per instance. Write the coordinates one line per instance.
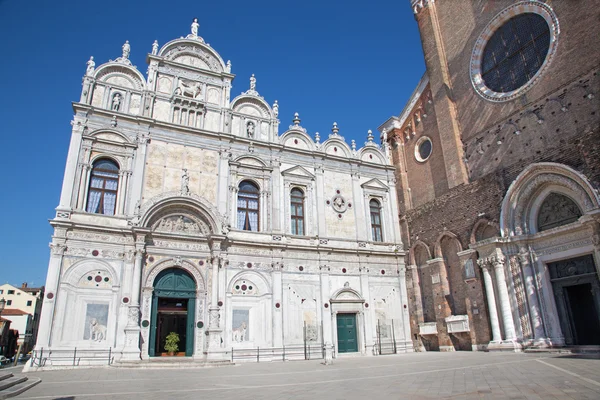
(355, 63)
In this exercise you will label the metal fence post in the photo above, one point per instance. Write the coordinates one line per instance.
(232, 354)
(109, 354)
(283, 359)
(258, 354)
(74, 355)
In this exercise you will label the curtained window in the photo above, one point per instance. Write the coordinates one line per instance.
(297, 211)
(102, 193)
(376, 220)
(248, 207)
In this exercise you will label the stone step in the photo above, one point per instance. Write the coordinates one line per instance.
(12, 381)
(170, 364)
(19, 388)
(4, 376)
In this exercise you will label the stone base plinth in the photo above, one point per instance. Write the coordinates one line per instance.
(505, 345)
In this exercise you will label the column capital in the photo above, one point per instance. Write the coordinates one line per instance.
(58, 248)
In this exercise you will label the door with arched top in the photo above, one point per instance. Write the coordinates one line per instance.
(173, 310)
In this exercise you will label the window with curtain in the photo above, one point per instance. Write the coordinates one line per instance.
(102, 193)
(248, 206)
(297, 211)
(376, 220)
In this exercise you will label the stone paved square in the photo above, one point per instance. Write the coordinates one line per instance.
(455, 375)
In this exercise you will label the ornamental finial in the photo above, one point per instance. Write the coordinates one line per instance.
(276, 109)
(335, 128)
(370, 135)
(252, 82)
(296, 119)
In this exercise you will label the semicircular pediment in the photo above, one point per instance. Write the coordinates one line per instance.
(180, 222)
(193, 54)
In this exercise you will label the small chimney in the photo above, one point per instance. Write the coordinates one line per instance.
(24, 285)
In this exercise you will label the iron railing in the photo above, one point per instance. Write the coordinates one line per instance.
(68, 357)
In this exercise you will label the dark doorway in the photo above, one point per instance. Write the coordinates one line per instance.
(577, 294)
(172, 317)
(583, 314)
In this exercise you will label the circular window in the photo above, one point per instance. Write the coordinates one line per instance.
(423, 149)
(514, 50)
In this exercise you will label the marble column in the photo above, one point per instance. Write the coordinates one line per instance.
(509, 325)
(131, 349)
(535, 314)
(214, 311)
(325, 306)
(49, 301)
(491, 300)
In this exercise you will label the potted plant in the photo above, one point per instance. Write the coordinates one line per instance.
(172, 343)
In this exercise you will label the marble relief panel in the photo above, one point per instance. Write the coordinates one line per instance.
(98, 96)
(96, 320)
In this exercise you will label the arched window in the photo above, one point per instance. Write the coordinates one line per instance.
(102, 193)
(248, 207)
(297, 211)
(376, 220)
(557, 210)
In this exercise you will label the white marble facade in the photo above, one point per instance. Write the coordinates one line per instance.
(182, 148)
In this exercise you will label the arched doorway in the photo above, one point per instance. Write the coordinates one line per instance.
(173, 310)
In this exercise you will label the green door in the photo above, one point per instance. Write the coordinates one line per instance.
(171, 285)
(346, 333)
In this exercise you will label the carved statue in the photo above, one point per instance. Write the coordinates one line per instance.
(228, 66)
(250, 129)
(155, 48)
(195, 26)
(126, 49)
(116, 102)
(97, 331)
(185, 182)
(91, 65)
(252, 82)
(189, 89)
(276, 109)
(239, 333)
(179, 224)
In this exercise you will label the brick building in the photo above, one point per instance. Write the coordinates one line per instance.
(497, 163)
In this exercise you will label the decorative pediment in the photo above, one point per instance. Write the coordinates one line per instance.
(299, 172)
(347, 295)
(375, 184)
(251, 161)
(181, 224)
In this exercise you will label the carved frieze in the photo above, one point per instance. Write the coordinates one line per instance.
(99, 237)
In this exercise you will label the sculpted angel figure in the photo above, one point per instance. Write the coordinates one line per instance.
(91, 65)
(195, 26)
(126, 49)
(155, 47)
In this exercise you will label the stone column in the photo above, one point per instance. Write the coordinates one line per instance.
(361, 223)
(58, 248)
(66, 194)
(277, 313)
(214, 311)
(320, 200)
(498, 262)
(535, 314)
(368, 314)
(405, 320)
(276, 184)
(131, 350)
(137, 177)
(491, 300)
(325, 306)
(83, 184)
